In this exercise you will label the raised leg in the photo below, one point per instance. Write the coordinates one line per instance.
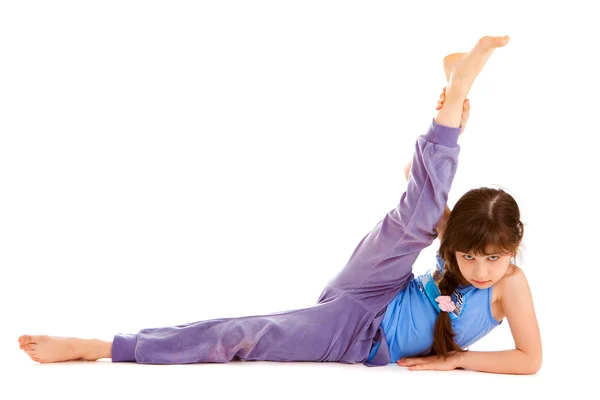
(381, 264)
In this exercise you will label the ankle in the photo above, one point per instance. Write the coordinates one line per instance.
(93, 349)
(451, 112)
(458, 90)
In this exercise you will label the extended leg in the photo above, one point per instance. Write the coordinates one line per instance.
(335, 330)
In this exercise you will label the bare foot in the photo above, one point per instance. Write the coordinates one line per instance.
(50, 349)
(462, 68)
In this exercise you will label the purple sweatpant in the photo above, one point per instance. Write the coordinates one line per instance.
(345, 323)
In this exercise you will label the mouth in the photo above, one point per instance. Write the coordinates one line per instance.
(480, 282)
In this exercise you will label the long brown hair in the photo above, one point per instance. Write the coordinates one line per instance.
(484, 221)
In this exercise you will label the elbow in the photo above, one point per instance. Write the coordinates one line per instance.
(534, 365)
(537, 365)
(532, 370)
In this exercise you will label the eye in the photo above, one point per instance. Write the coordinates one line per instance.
(466, 256)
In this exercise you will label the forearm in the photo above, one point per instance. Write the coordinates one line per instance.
(499, 362)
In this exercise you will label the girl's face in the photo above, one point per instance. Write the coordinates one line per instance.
(483, 271)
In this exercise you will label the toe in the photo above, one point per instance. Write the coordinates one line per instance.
(30, 346)
(501, 41)
(488, 43)
(23, 339)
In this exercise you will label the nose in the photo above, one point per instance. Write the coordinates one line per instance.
(480, 273)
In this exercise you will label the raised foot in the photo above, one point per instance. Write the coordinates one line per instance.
(463, 68)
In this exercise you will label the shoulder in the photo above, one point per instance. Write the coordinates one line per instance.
(513, 273)
(513, 285)
(511, 281)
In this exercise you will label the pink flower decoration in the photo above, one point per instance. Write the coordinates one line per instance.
(445, 303)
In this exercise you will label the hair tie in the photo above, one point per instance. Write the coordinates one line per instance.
(445, 303)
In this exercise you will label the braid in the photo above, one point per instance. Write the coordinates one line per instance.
(449, 283)
(443, 334)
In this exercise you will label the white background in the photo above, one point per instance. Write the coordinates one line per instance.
(164, 162)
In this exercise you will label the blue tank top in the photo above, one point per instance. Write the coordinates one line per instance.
(409, 318)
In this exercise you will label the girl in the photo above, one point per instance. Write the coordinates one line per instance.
(375, 311)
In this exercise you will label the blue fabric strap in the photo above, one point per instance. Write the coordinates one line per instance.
(433, 291)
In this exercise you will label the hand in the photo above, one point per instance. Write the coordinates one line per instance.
(465, 114)
(430, 363)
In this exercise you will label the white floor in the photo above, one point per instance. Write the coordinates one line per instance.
(24, 379)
